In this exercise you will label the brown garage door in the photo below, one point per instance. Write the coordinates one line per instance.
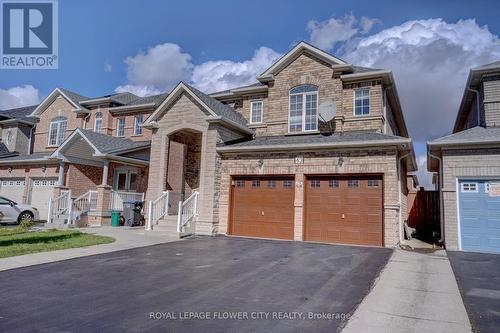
(345, 209)
(262, 207)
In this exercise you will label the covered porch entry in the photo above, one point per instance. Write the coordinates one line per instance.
(94, 180)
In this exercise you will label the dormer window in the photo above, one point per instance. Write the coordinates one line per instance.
(256, 108)
(362, 102)
(57, 129)
(98, 122)
(303, 109)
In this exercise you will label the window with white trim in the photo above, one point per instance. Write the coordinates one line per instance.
(98, 122)
(303, 109)
(362, 102)
(57, 130)
(139, 119)
(469, 187)
(120, 127)
(256, 111)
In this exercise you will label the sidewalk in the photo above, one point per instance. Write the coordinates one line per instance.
(416, 292)
(125, 238)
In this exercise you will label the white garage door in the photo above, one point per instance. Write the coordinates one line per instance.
(41, 191)
(12, 188)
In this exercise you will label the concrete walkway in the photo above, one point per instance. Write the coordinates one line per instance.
(125, 238)
(416, 292)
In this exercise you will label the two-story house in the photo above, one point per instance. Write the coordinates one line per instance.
(317, 150)
(468, 166)
(92, 150)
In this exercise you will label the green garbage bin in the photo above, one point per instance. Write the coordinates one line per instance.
(115, 219)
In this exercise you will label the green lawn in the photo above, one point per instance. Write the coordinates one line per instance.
(18, 241)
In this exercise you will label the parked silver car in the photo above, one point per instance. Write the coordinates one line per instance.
(12, 212)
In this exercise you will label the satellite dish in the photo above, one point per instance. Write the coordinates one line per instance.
(327, 110)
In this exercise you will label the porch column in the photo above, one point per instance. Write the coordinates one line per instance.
(105, 170)
(60, 179)
(102, 215)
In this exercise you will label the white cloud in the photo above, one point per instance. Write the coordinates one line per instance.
(18, 96)
(219, 75)
(326, 34)
(158, 69)
(430, 60)
(164, 65)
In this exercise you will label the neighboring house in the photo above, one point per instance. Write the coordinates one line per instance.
(88, 146)
(259, 161)
(468, 163)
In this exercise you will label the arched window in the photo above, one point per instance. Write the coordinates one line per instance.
(57, 130)
(303, 110)
(98, 122)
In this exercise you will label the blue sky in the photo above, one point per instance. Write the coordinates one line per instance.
(216, 44)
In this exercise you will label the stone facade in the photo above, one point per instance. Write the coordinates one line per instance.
(380, 162)
(308, 70)
(459, 164)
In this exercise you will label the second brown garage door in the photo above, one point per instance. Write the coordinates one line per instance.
(262, 207)
(346, 209)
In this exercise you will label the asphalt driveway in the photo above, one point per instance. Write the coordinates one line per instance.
(478, 278)
(273, 286)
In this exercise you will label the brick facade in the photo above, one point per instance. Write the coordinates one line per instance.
(355, 162)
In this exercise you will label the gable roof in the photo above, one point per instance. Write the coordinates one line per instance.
(104, 144)
(473, 81)
(216, 109)
(72, 97)
(291, 55)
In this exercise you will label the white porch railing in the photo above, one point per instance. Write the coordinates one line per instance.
(157, 209)
(188, 210)
(60, 206)
(85, 203)
(119, 197)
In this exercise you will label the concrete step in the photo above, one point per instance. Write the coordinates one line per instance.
(168, 224)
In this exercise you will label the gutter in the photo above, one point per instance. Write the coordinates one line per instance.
(29, 161)
(233, 124)
(312, 146)
(440, 189)
(127, 160)
(131, 107)
(478, 111)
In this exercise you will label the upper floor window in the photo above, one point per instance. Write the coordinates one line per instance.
(303, 115)
(98, 122)
(256, 108)
(57, 129)
(120, 127)
(362, 101)
(137, 126)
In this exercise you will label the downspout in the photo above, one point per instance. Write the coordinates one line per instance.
(30, 141)
(385, 108)
(478, 112)
(440, 189)
(401, 230)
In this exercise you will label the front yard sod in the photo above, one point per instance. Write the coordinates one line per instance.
(18, 241)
